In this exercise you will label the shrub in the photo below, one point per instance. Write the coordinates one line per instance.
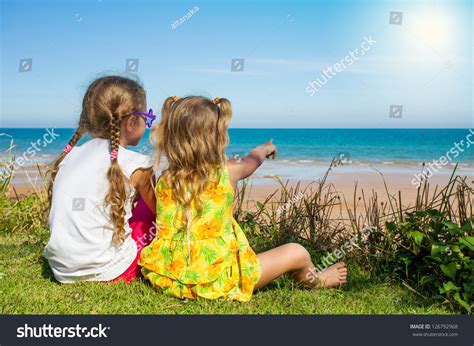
(434, 254)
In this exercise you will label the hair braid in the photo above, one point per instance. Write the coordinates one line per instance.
(117, 193)
(80, 130)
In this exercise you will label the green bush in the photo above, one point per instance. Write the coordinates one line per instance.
(433, 254)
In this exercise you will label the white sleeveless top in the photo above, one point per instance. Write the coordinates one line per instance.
(80, 248)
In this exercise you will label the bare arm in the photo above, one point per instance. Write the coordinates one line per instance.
(243, 168)
(144, 181)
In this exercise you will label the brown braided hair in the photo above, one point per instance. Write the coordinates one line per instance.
(117, 190)
(107, 102)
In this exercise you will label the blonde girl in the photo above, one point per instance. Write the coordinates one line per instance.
(199, 249)
(94, 234)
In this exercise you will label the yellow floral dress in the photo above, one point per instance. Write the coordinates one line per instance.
(212, 259)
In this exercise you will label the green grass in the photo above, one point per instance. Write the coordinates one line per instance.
(27, 286)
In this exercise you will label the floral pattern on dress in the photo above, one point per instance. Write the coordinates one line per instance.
(220, 262)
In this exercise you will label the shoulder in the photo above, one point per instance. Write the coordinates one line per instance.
(233, 165)
(92, 145)
(130, 161)
(234, 169)
(90, 151)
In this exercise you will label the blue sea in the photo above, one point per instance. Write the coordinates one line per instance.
(296, 147)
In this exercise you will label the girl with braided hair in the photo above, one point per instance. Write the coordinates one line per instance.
(95, 235)
(199, 249)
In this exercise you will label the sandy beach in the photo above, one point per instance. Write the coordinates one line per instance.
(368, 180)
(342, 180)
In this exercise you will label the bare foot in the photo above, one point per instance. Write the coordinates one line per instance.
(332, 276)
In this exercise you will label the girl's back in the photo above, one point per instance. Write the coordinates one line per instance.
(199, 249)
(211, 258)
(215, 219)
(81, 232)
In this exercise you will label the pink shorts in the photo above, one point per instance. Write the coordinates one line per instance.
(143, 232)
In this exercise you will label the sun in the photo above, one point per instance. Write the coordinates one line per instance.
(433, 27)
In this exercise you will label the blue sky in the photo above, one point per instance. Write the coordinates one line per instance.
(424, 64)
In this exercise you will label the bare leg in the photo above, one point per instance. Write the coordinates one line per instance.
(295, 259)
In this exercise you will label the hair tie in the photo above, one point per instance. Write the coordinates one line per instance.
(216, 100)
(113, 154)
(175, 98)
(67, 148)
